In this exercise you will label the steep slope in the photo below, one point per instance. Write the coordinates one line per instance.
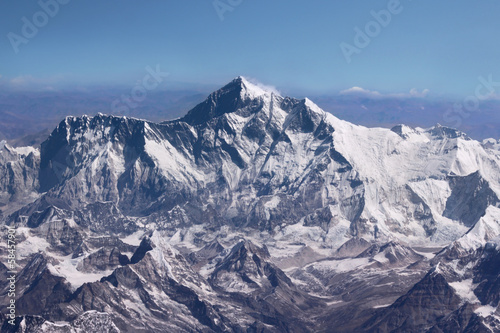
(18, 177)
(423, 305)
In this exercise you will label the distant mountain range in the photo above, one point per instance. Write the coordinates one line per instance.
(26, 117)
(253, 212)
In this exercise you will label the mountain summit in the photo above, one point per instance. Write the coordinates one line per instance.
(233, 96)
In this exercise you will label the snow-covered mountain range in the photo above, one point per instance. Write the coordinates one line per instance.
(253, 213)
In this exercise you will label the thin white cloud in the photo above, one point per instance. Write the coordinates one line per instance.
(23, 80)
(35, 83)
(360, 91)
(413, 93)
(492, 97)
(262, 86)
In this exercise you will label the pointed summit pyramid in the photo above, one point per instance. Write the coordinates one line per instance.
(229, 98)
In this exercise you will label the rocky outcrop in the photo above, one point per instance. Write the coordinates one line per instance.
(420, 308)
(470, 197)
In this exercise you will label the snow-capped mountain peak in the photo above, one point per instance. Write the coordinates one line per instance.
(237, 94)
(335, 207)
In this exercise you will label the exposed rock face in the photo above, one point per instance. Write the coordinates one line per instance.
(462, 320)
(487, 277)
(19, 184)
(423, 305)
(252, 213)
(245, 269)
(392, 253)
(90, 321)
(470, 196)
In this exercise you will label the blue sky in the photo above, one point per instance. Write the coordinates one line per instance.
(442, 46)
